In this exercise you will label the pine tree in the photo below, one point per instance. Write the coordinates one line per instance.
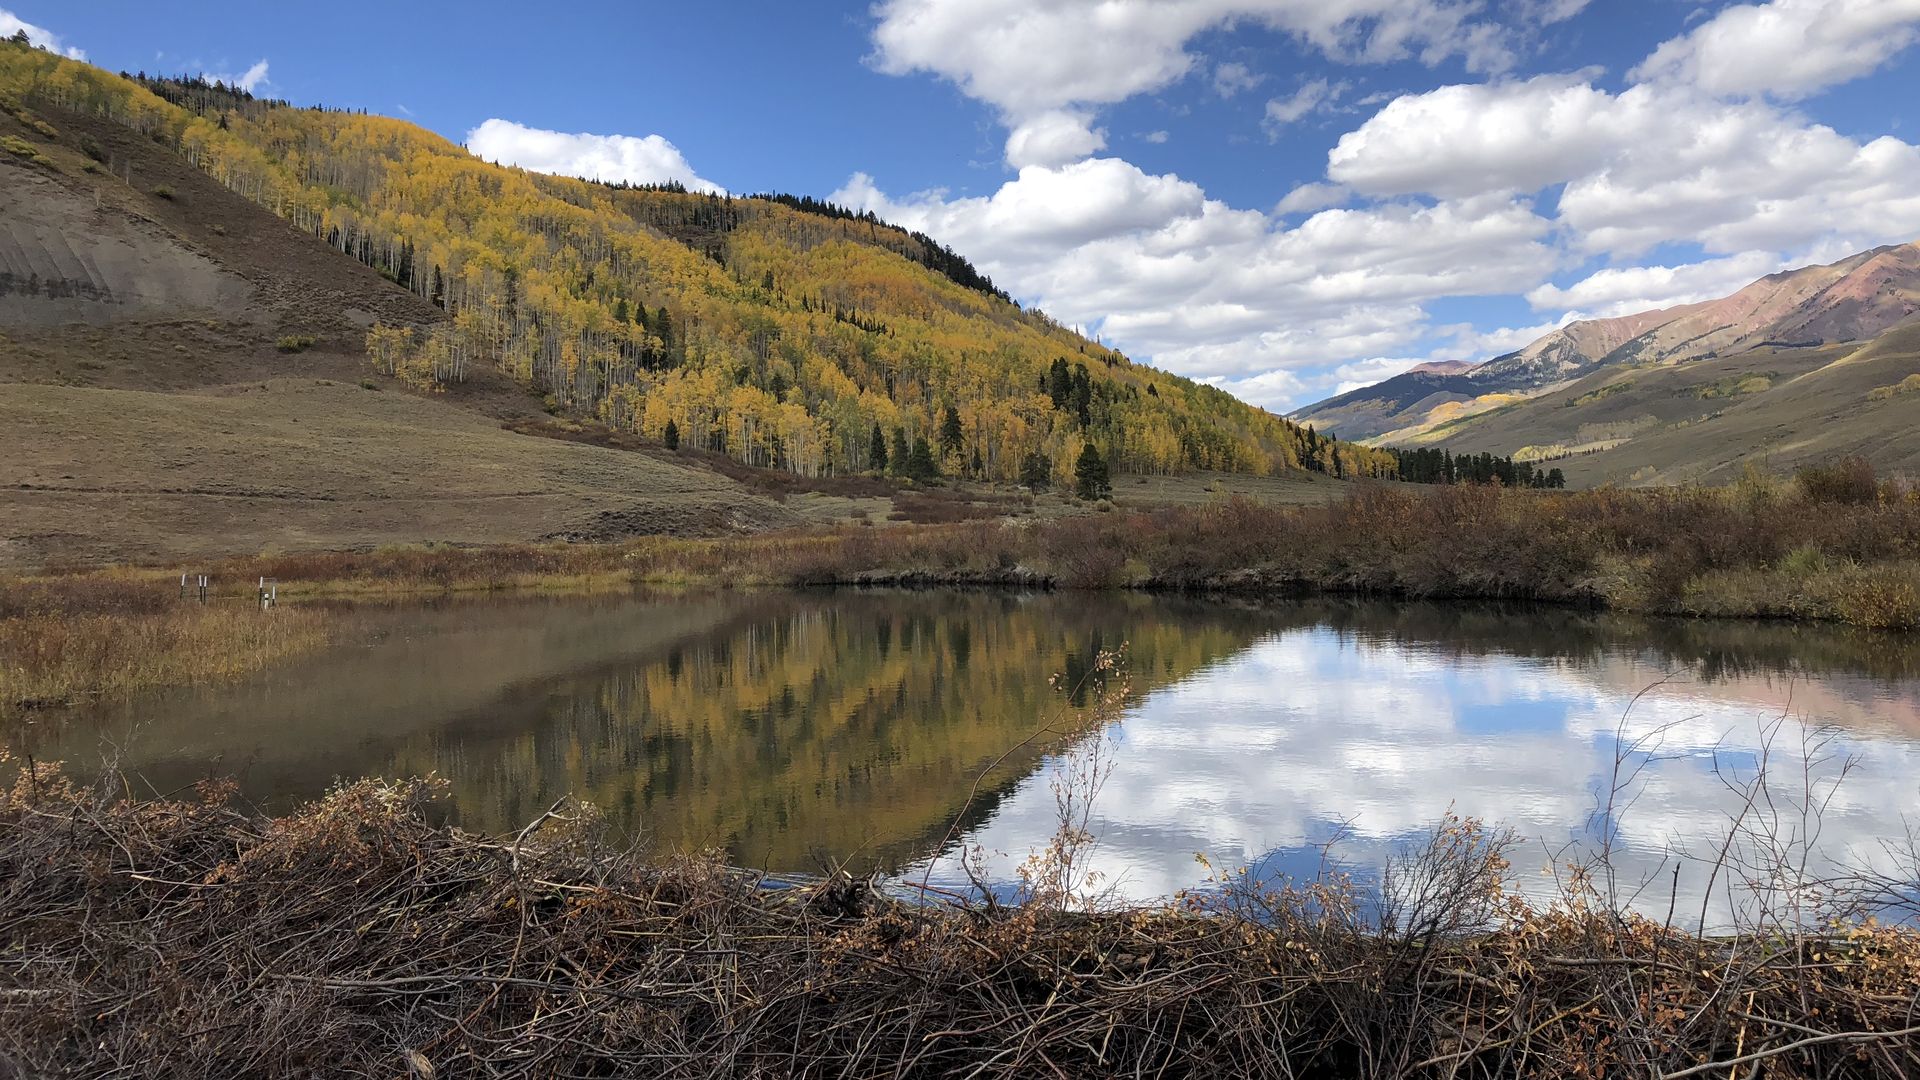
(1081, 395)
(1060, 384)
(1036, 472)
(1090, 480)
(438, 294)
(671, 436)
(899, 452)
(952, 437)
(920, 463)
(877, 450)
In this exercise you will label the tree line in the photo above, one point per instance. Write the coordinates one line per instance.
(1440, 466)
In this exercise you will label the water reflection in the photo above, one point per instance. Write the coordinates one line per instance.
(1377, 721)
(789, 729)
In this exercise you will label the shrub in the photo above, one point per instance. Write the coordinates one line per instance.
(22, 148)
(91, 147)
(294, 343)
(1849, 481)
(163, 191)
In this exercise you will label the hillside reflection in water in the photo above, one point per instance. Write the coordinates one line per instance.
(794, 728)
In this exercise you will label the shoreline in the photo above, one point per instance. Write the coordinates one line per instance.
(1768, 552)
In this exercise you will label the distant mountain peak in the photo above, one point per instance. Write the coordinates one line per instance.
(1854, 299)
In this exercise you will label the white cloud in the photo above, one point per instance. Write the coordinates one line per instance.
(1026, 58)
(1472, 343)
(1306, 198)
(1209, 290)
(1626, 290)
(1461, 140)
(1312, 97)
(1231, 78)
(1786, 48)
(1044, 66)
(1649, 165)
(11, 24)
(1548, 12)
(636, 160)
(1432, 197)
(1054, 137)
(1155, 137)
(249, 80)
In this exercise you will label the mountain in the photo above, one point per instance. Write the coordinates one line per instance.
(1853, 300)
(782, 332)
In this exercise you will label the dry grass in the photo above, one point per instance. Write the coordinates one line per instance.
(57, 660)
(185, 938)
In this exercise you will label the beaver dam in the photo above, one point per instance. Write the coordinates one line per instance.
(182, 937)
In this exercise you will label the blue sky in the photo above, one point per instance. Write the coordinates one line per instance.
(1285, 197)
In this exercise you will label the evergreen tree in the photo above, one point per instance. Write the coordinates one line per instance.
(1090, 479)
(920, 463)
(1036, 472)
(898, 452)
(1080, 395)
(671, 436)
(1060, 384)
(438, 294)
(952, 438)
(877, 450)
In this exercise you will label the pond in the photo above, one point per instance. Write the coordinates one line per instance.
(799, 730)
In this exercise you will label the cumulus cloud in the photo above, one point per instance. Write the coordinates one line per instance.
(1625, 290)
(1208, 290)
(1432, 197)
(636, 160)
(1787, 48)
(1646, 166)
(11, 24)
(1054, 137)
(1025, 58)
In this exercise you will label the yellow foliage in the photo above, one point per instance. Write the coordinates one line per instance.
(777, 335)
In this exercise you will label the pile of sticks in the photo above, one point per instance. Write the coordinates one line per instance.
(183, 937)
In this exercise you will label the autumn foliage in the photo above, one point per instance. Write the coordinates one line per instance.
(777, 331)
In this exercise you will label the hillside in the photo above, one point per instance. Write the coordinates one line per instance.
(1703, 421)
(1850, 301)
(781, 332)
(147, 410)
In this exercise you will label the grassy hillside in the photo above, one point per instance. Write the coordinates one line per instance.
(1605, 381)
(782, 333)
(1706, 420)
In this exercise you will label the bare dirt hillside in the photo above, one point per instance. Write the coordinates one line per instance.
(147, 410)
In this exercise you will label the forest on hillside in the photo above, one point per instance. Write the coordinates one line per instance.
(783, 331)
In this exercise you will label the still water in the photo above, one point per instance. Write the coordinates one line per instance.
(794, 730)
